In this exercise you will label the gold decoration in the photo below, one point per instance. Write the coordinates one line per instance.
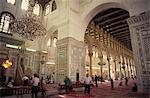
(7, 64)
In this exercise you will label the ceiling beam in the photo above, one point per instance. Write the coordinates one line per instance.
(122, 29)
(107, 15)
(124, 32)
(122, 35)
(111, 19)
(124, 38)
(111, 24)
(117, 27)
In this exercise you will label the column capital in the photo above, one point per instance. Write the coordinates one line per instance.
(135, 19)
(100, 57)
(114, 60)
(90, 54)
(108, 58)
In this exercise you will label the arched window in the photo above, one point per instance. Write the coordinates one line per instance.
(11, 1)
(6, 19)
(54, 6)
(36, 9)
(93, 53)
(96, 54)
(25, 4)
(47, 9)
(49, 42)
(55, 40)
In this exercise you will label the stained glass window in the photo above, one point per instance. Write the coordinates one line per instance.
(36, 9)
(55, 40)
(49, 42)
(47, 9)
(11, 1)
(25, 4)
(5, 21)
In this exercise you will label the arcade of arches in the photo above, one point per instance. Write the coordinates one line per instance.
(110, 38)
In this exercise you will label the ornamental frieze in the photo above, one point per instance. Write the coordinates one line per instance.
(136, 19)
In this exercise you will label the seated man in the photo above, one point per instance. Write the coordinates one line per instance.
(134, 88)
(10, 84)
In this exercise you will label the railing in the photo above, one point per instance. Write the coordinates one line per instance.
(19, 90)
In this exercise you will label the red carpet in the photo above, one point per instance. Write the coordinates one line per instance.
(104, 91)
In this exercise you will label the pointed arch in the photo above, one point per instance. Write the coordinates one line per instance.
(54, 6)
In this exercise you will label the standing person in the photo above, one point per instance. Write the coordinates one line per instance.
(87, 83)
(126, 81)
(112, 83)
(10, 82)
(35, 83)
(96, 79)
(68, 84)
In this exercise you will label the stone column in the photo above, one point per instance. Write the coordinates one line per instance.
(120, 70)
(108, 59)
(124, 68)
(130, 67)
(130, 70)
(70, 59)
(90, 56)
(115, 70)
(127, 68)
(140, 37)
(101, 63)
(134, 71)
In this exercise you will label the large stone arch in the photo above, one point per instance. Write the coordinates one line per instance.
(89, 14)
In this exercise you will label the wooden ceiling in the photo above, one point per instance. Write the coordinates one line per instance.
(43, 2)
(113, 21)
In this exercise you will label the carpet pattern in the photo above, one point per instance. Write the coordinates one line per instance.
(104, 91)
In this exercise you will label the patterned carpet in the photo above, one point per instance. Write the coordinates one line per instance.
(104, 91)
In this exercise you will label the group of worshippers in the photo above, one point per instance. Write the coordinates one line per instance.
(37, 85)
(89, 81)
(87, 84)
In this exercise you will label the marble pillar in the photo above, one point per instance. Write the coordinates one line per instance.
(140, 36)
(115, 70)
(70, 59)
(120, 71)
(108, 59)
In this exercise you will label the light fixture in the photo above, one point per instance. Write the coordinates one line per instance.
(101, 63)
(29, 25)
(107, 29)
(7, 64)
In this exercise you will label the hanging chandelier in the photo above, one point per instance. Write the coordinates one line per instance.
(7, 64)
(29, 26)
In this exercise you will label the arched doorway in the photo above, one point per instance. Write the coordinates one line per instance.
(135, 26)
(108, 28)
